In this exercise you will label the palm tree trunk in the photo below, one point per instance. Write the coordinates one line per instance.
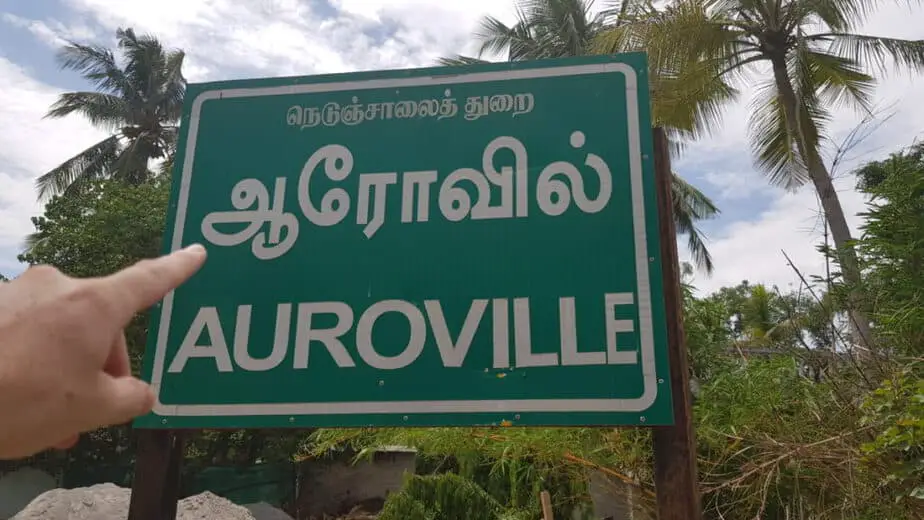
(830, 203)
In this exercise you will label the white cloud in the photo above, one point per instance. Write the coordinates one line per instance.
(736, 184)
(752, 249)
(29, 146)
(284, 37)
(51, 32)
(16, 206)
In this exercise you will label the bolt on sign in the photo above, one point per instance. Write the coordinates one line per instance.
(448, 246)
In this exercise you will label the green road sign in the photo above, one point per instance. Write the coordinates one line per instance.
(448, 246)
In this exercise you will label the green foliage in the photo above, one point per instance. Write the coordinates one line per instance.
(689, 207)
(512, 464)
(758, 317)
(773, 442)
(706, 323)
(241, 448)
(764, 395)
(768, 435)
(892, 248)
(892, 254)
(103, 229)
(401, 506)
(896, 409)
(444, 496)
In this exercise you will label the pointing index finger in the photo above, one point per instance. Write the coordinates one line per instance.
(143, 284)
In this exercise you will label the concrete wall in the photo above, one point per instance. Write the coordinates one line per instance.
(334, 487)
(18, 488)
(615, 500)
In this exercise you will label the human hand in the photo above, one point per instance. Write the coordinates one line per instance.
(64, 366)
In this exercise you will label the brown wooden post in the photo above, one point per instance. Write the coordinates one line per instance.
(546, 499)
(674, 446)
(156, 484)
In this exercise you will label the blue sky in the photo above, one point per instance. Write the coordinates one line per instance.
(234, 39)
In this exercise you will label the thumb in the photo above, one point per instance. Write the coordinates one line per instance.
(121, 399)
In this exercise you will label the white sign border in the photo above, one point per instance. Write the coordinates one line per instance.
(646, 331)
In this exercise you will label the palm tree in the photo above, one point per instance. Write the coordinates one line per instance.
(139, 102)
(685, 99)
(689, 206)
(815, 62)
(759, 315)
